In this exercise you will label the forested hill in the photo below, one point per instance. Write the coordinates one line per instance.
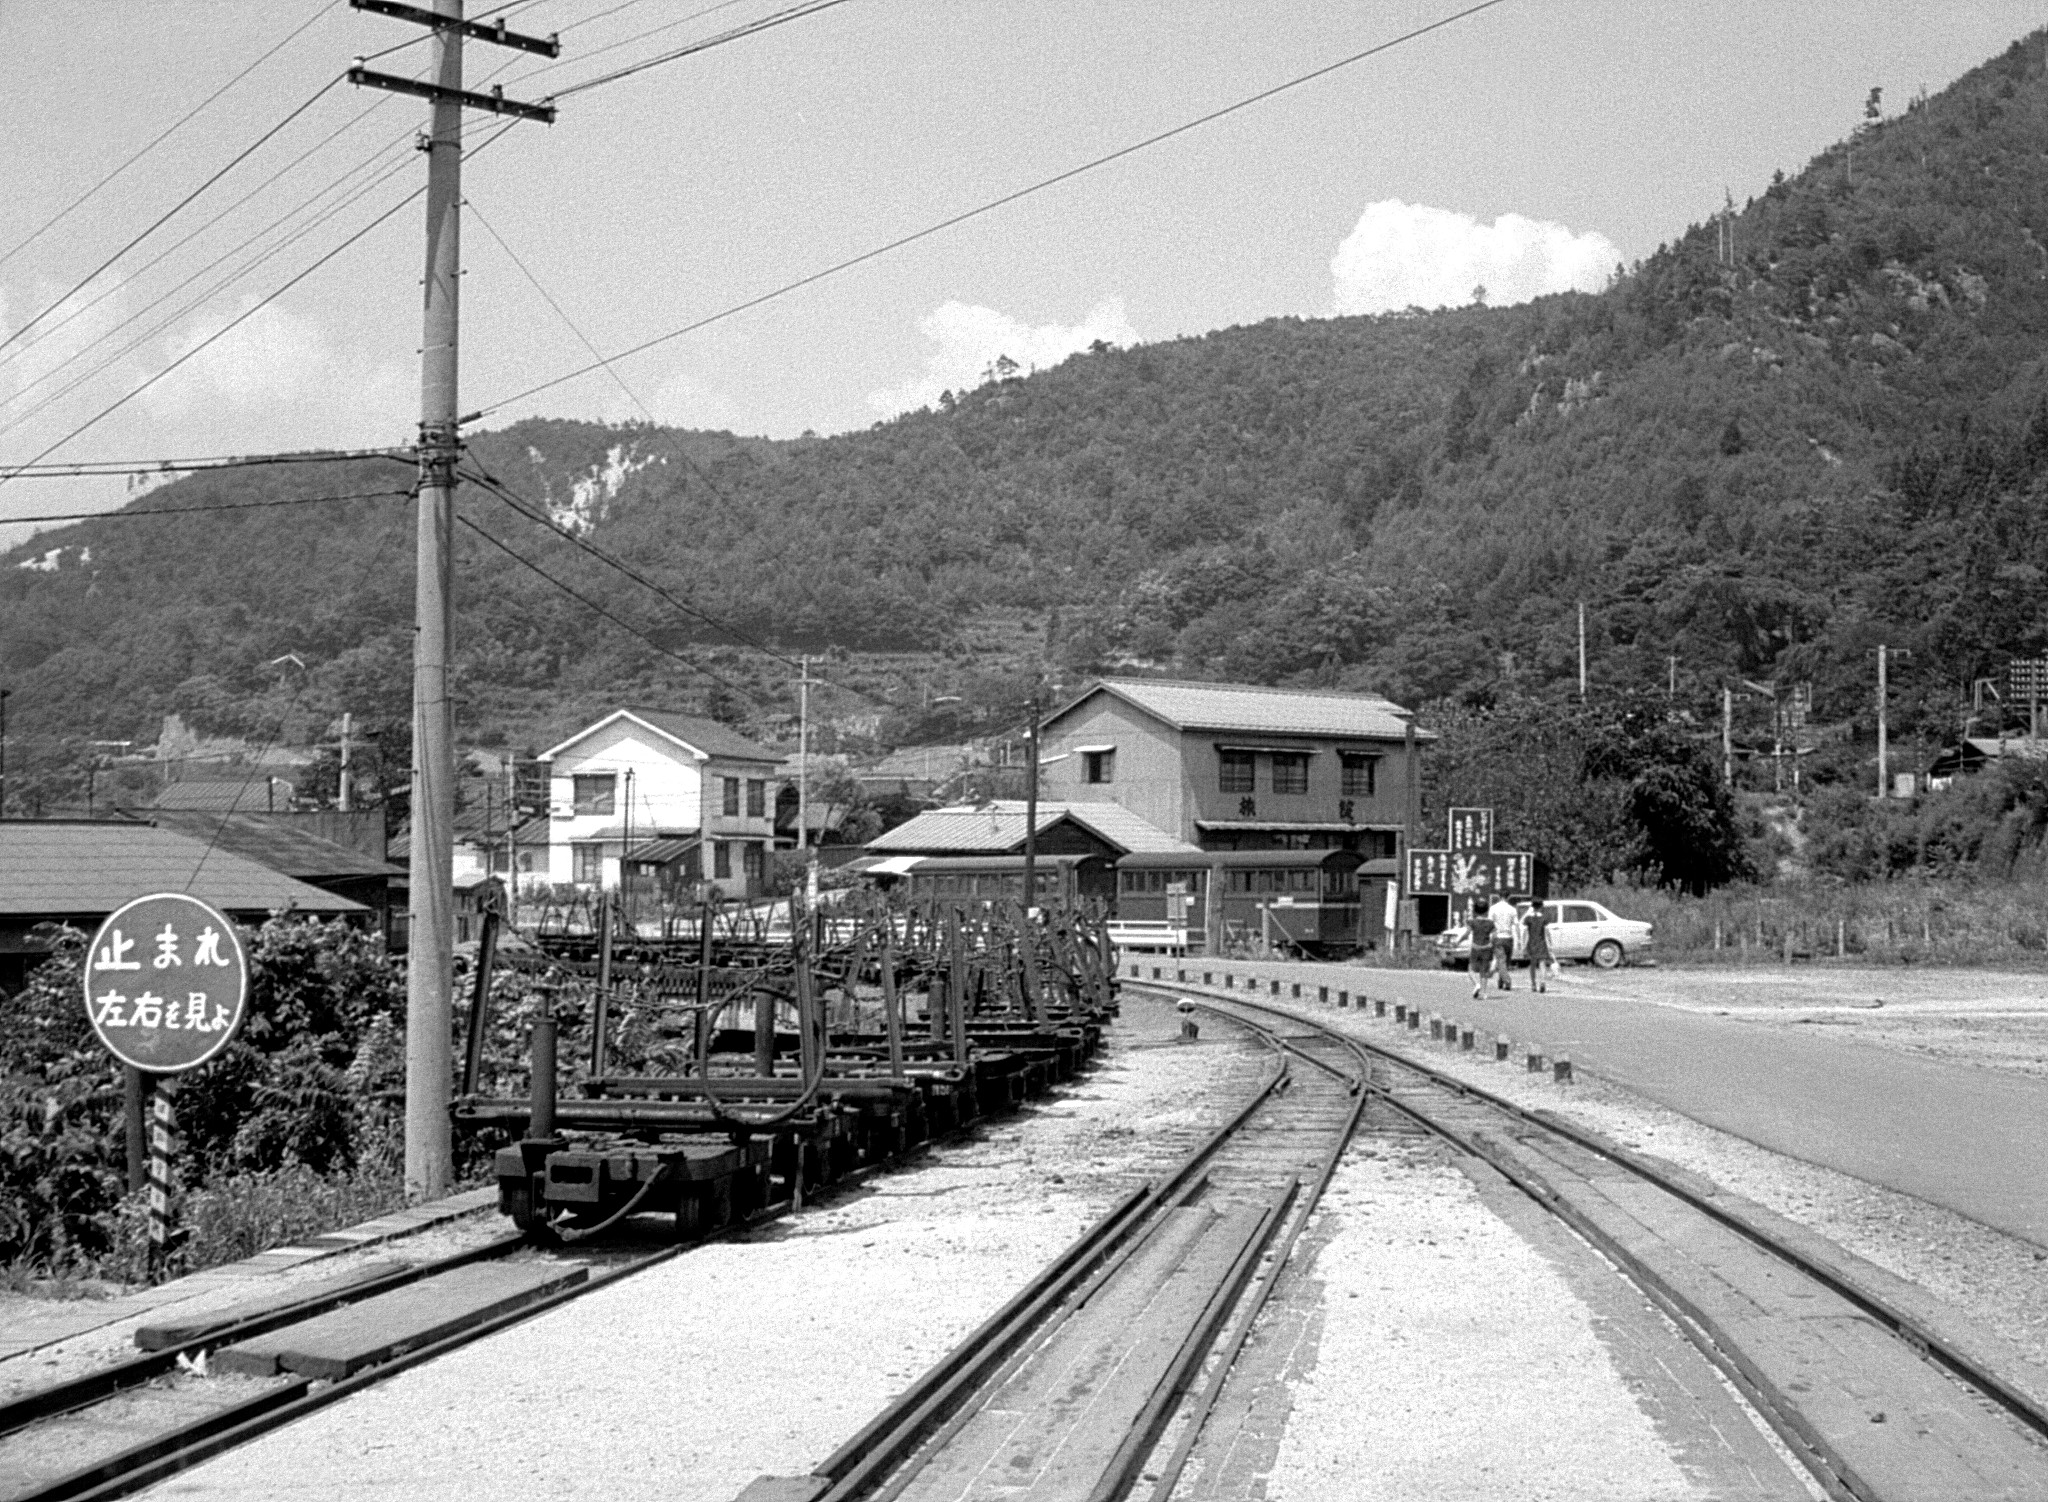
(1782, 439)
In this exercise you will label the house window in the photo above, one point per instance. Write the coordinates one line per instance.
(587, 863)
(595, 793)
(751, 864)
(1098, 766)
(1290, 771)
(732, 796)
(1237, 772)
(1360, 776)
(721, 859)
(757, 798)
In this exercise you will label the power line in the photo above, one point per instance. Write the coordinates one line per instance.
(224, 329)
(163, 135)
(133, 515)
(766, 23)
(639, 36)
(90, 467)
(991, 205)
(626, 626)
(165, 217)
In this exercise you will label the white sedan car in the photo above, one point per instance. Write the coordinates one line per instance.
(1583, 930)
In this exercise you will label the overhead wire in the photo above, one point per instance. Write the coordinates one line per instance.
(164, 218)
(751, 28)
(197, 464)
(988, 207)
(131, 514)
(623, 624)
(627, 41)
(163, 135)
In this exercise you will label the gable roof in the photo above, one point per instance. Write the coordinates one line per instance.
(62, 867)
(998, 827)
(248, 795)
(1248, 707)
(692, 731)
(296, 852)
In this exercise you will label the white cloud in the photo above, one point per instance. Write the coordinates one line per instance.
(1403, 255)
(968, 340)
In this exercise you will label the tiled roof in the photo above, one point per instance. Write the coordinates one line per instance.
(50, 867)
(1247, 707)
(248, 795)
(296, 852)
(708, 736)
(998, 827)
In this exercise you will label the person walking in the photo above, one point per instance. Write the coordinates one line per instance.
(1536, 944)
(1504, 918)
(1479, 955)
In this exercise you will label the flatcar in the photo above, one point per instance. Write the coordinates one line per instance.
(1066, 879)
(1311, 902)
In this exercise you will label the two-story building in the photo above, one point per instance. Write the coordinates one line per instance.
(1228, 766)
(672, 796)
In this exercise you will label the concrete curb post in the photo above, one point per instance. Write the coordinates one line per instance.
(1400, 1013)
(1561, 1069)
(1414, 1019)
(1465, 1039)
(1502, 1044)
(1537, 1062)
(1343, 998)
(1436, 1028)
(1379, 1006)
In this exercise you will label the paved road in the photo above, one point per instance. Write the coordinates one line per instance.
(1972, 1140)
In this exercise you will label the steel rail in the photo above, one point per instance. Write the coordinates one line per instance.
(887, 1439)
(1918, 1336)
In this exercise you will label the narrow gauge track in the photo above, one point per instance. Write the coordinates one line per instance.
(1084, 1380)
(207, 1428)
(1878, 1406)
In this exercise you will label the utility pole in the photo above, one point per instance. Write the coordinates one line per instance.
(1727, 736)
(1582, 651)
(430, 962)
(1671, 688)
(344, 760)
(5, 694)
(1883, 780)
(1031, 806)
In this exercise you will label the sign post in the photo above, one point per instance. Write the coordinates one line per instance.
(1469, 866)
(166, 989)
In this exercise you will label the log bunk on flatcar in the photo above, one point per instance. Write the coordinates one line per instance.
(1274, 901)
(724, 1070)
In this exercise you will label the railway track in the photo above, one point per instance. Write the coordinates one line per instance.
(1101, 1368)
(1877, 1405)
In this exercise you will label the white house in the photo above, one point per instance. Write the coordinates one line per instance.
(666, 793)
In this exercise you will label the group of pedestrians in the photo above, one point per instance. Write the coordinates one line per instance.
(1501, 931)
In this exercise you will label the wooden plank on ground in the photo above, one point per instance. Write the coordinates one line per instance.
(337, 1345)
(176, 1329)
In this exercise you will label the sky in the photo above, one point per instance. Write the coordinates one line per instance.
(1530, 147)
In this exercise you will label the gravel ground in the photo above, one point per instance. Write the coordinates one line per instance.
(1991, 1019)
(761, 1355)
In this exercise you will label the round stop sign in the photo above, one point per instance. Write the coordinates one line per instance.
(166, 983)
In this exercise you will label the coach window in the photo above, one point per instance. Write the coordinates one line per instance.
(1361, 774)
(1290, 771)
(594, 792)
(1238, 771)
(1098, 766)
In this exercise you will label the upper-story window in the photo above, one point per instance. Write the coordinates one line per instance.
(1360, 775)
(757, 798)
(1290, 771)
(595, 792)
(1238, 771)
(732, 797)
(1098, 766)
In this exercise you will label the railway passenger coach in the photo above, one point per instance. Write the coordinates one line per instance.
(1068, 879)
(1306, 900)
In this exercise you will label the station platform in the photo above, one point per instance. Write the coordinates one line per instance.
(1966, 1138)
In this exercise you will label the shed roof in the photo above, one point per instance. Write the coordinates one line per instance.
(61, 866)
(1248, 707)
(999, 826)
(278, 845)
(693, 731)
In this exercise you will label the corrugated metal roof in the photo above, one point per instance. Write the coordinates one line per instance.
(296, 852)
(661, 852)
(708, 736)
(60, 866)
(999, 827)
(1247, 707)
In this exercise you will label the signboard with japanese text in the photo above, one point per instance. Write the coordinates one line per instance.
(1470, 867)
(1471, 828)
(166, 983)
